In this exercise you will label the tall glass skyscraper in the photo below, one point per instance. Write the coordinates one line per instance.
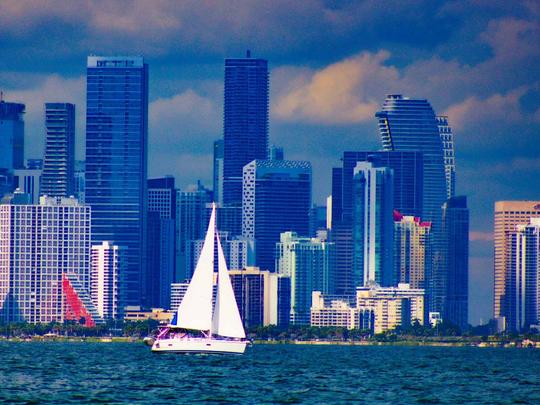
(277, 198)
(12, 143)
(58, 177)
(447, 138)
(116, 161)
(245, 121)
(373, 225)
(407, 124)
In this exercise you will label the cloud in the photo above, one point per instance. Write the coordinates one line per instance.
(340, 93)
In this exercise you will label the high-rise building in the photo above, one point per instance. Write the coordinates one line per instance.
(58, 178)
(161, 243)
(310, 265)
(447, 138)
(38, 244)
(191, 223)
(11, 135)
(116, 161)
(276, 153)
(245, 121)
(107, 265)
(277, 198)
(218, 171)
(34, 164)
(373, 225)
(412, 250)
(508, 214)
(79, 180)
(407, 124)
(522, 303)
(455, 233)
(408, 168)
(256, 293)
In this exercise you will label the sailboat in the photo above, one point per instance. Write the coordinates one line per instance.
(196, 328)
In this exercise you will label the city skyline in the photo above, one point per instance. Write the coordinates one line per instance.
(499, 94)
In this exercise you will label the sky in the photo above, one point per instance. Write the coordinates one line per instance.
(331, 66)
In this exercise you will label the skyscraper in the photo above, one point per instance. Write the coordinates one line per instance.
(245, 121)
(50, 239)
(508, 214)
(407, 124)
(58, 178)
(116, 161)
(11, 135)
(161, 243)
(455, 233)
(310, 264)
(107, 266)
(522, 304)
(277, 198)
(412, 250)
(447, 138)
(373, 225)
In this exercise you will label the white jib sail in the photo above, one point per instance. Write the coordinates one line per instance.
(195, 310)
(226, 321)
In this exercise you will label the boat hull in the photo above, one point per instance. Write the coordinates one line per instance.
(199, 345)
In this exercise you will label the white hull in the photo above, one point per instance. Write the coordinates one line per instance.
(199, 345)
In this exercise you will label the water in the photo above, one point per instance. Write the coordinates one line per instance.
(129, 373)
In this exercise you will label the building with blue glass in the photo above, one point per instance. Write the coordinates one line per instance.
(12, 141)
(407, 124)
(58, 176)
(276, 199)
(373, 225)
(245, 121)
(116, 161)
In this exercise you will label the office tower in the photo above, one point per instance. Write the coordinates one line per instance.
(317, 220)
(245, 121)
(310, 264)
(407, 124)
(455, 233)
(412, 250)
(79, 178)
(178, 290)
(276, 153)
(161, 243)
(408, 170)
(28, 181)
(277, 198)
(523, 277)
(218, 171)
(508, 214)
(58, 176)
(373, 225)
(50, 239)
(107, 265)
(256, 293)
(191, 223)
(11, 135)
(447, 138)
(116, 161)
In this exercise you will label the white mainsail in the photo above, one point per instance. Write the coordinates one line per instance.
(226, 320)
(195, 310)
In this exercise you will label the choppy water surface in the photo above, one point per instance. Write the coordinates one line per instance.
(130, 373)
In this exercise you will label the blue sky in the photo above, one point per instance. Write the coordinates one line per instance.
(332, 63)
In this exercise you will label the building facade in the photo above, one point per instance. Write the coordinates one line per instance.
(29, 182)
(447, 138)
(58, 178)
(107, 267)
(522, 303)
(218, 171)
(116, 161)
(373, 226)
(276, 199)
(508, 214)
(412, 250)
(310, 265)
(11, 135)
(38, 244)
(245, 121)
